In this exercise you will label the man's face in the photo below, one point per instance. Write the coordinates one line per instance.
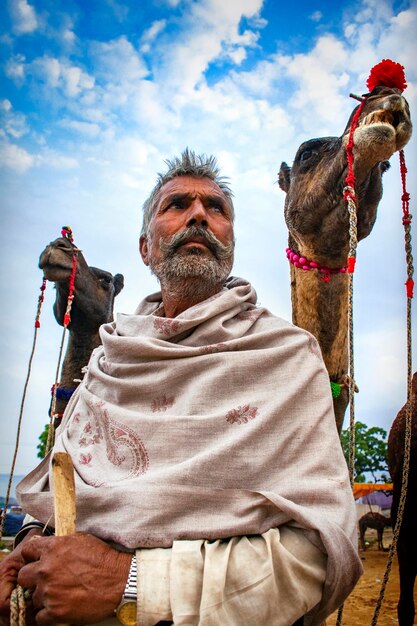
(191, 231)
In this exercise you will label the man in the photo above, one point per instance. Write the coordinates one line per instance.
(204, 441)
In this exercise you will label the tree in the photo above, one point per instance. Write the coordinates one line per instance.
(43, 440)
(370, 452)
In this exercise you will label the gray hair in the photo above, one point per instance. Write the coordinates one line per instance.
(189, 164)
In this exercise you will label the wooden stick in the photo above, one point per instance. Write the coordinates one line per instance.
(64, 495)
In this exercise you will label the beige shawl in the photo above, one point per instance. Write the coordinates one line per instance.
(214, 424)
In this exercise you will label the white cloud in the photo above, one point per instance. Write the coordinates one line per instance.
(117, 61)
(237, 55)
(317, 16)
(87, 129)
(151, 34)
(15, 158)
(14, 122)
(5, 105)
(71, 79)
(121, 11)
(209, 30)
(76, 80)
(51, 158)
(320, 98)
(15, 68)
(133, 182)
(23, 16)
(49, 69)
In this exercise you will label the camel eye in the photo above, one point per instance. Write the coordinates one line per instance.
(305, 155)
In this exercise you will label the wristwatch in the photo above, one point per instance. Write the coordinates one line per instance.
(126, 612)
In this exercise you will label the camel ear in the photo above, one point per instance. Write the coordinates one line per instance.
(284, 177)
(143, 249)
(118, 284)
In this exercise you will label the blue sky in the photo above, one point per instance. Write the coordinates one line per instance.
(96, 95)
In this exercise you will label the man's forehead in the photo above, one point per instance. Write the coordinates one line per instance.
(191, 185)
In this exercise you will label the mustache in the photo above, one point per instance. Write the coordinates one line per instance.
(216, 247)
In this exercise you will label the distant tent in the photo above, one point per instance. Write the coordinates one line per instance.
(365, 489)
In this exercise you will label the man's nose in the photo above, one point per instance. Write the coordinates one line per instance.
(197, 213)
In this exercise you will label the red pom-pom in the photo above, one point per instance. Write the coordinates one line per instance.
(387, 74)
(351, 262)
(67, 232)
(410, 287)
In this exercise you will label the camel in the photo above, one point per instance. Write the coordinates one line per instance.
(318, 223)
(376, 521)
(407, 539)
(95, 291)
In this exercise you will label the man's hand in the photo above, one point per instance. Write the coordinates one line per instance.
(77, 579)
(9, 569)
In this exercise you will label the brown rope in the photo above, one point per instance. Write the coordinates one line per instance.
(349, 193)
(67, 319)
(22, 405)
(17, 607)
(407, 435)
(51, 429)
(18, 599)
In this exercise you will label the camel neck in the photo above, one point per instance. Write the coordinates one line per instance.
(80, 347)
(321, 308)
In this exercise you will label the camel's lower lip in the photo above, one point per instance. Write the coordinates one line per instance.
(53, 272)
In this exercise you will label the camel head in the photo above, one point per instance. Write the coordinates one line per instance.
(315, 212)
(95, 289)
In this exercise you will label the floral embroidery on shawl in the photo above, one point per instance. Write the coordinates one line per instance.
(165, 326)
(119, 437)
(89, 436)
(123, 445)
(242, 414)
(249, 314)
(212, 348)
(162, 403)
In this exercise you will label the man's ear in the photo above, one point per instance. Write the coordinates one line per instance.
(143, 249)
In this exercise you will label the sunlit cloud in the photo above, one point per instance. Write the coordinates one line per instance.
(24, 19)
(14, 158)
(151, 34)
(13, 123)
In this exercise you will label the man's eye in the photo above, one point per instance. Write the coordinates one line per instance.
(217, 208)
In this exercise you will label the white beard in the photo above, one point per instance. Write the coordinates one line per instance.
(192, 274)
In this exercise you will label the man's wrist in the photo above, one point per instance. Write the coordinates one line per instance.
(126, 611)
(27, 528)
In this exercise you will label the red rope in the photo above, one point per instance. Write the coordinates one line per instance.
(40, 302)
(349, 192)
(407, 217)
(67, 316)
